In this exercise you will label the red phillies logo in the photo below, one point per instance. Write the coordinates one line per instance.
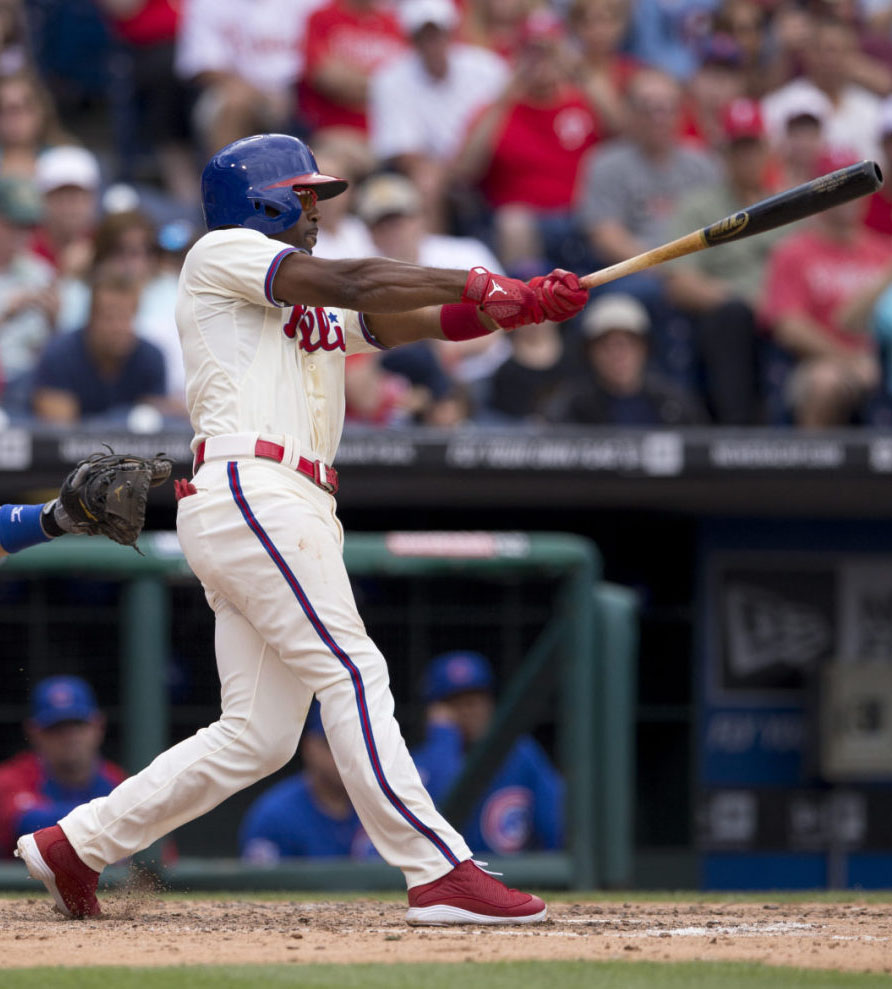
(315, 328)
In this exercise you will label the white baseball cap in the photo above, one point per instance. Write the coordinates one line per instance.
(615, 311)
(387, 195)
(414, 14)
(66, 165)
(803, 102)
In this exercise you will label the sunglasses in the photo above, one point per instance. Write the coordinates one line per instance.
(306, 197)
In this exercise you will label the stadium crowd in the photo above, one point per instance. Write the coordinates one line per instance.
(517, 134)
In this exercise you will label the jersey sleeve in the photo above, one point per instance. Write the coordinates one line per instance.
(359, 339)
(237, 263)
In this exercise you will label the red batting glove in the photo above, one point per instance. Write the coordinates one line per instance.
(508, 301)
(560, 294)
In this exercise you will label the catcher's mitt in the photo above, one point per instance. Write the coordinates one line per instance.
(106, 495)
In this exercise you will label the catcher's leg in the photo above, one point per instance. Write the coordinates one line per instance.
(264, 707)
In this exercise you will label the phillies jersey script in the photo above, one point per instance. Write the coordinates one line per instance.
(252, 366)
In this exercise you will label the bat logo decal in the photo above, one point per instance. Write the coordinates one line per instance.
(730, 227)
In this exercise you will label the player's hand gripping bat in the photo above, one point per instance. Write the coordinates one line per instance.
(801, 201)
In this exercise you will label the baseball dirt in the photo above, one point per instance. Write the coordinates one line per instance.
(150, 930)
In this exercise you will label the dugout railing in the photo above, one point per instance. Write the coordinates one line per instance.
(584, 655)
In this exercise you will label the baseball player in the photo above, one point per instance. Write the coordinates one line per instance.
(265, 329)
(63, 765)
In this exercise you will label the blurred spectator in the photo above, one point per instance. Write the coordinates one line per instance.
(496, 24)
(869, 312)
(854, 117)
(128, 244)
(391, 208)
(308, 815)
(68, 178)
(71, 47)
(618, 389)
(720, 288)
(421, 102)
(879, 208)
(150, 101)
(870, 64)
(400, 387)
(746, 23)
(28, 123)
(522, 388)
(103, 369)
(155, 319)
(812, 275)
(631, 187)
(346, 41)
(28, 300)
(63, 766)
(243, 56)
(14, 53)
(603, 71)
(341, 233)
(801, 138)
(525, 152)
(669, 34)
(375, 396)
(717, 81)
(523, 806)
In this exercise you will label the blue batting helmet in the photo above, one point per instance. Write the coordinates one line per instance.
(250, 183)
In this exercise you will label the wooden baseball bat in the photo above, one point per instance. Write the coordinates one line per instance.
(801, 201)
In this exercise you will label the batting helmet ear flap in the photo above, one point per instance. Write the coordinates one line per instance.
(250, 183)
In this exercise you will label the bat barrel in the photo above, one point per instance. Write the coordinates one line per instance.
(822, 193)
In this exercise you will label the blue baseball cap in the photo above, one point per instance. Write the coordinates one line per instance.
(62, 698)
(456, 672)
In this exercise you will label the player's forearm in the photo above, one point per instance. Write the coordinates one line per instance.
(23, 526)
(368, 285)
(395, 329)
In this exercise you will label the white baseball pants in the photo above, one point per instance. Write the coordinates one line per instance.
(267, 546)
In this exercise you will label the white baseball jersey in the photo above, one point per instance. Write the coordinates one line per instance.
(252, 364)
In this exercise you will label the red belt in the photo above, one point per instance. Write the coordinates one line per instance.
(319, 473)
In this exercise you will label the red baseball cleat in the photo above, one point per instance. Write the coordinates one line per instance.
(51, 859)
(468, 895)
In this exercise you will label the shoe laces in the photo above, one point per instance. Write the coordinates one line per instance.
(482, 867)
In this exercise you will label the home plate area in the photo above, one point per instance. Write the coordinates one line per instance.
(146, 929)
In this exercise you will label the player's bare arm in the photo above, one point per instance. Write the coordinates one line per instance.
(382, 285)
(368, 285)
